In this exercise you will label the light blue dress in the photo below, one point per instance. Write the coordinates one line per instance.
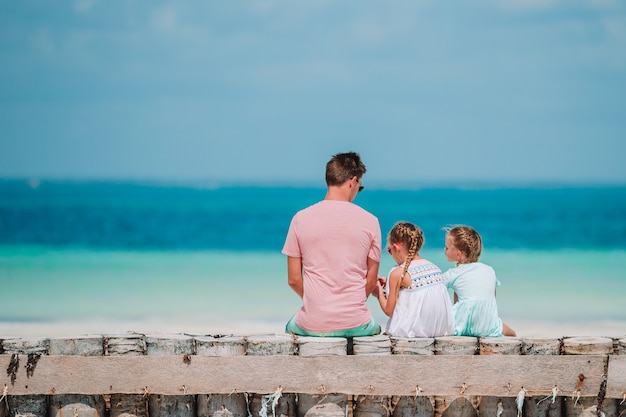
(476, 311)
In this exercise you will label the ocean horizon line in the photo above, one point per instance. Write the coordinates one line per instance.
(374, 184)
(185, 216)
(14, 249)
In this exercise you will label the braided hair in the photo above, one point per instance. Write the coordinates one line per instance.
(468, 241)
(412, 237)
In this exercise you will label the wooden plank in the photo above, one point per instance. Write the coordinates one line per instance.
(616, 377)
(358, 375)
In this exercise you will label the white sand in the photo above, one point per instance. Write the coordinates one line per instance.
(608, 328)
(65, 329)
(616, 329)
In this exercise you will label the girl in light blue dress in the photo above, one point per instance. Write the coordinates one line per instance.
(474, 284)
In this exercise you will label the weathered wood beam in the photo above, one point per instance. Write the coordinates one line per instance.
(616, 377)
(497, 375)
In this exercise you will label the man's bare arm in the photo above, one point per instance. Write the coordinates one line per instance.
(372, 276)
(294, 275)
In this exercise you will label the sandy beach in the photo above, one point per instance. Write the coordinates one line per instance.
(614, 329)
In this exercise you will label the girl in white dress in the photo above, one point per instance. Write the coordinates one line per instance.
(414, 296)
(474, 284)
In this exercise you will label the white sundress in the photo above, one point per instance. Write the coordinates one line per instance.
(424, 309)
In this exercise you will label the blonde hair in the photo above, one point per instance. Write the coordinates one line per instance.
(412, 237)
(468, 241)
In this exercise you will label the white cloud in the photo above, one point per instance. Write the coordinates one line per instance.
(605, 4)
(522, 6)
(42, 42)
(293, 10)
(84, 6)
(369, 33)
(616, 27)
(314, 72)
(164, 18)
(265, 6)
(176, 20)
(79, 40)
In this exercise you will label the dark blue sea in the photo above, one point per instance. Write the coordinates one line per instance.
(134, 216)
(96, 255)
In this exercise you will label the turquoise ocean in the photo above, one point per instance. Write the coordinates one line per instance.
(102, 257)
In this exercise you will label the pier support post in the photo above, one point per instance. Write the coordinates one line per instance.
(276, 403)
(26, 352)
(543, 405)
(324, 404)
(75, 404)
(171, 405)
(126, 405)
(221, 405)
(461, 405)
(372, 405)
(584, 398)
(491, 406)
(421, 404)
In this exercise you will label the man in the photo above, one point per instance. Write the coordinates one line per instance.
(333, 255)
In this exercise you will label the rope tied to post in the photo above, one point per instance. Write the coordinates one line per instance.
(519, 400)
(273, 398)
(5, 393)
(555, 392)
(578, 389)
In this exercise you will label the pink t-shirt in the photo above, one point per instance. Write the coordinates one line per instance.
(334, 240)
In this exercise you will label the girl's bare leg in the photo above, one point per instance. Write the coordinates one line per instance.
(507, 331)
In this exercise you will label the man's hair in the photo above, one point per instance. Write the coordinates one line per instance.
(344, 166)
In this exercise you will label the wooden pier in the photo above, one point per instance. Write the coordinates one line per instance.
(283, 375)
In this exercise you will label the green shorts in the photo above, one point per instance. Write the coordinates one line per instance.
(370, 329)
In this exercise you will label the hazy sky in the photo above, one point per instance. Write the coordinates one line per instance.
(514, 90)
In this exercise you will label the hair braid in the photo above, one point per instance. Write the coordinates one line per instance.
(468, 241)
(411, 236)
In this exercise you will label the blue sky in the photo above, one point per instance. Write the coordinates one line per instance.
(268, 90)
